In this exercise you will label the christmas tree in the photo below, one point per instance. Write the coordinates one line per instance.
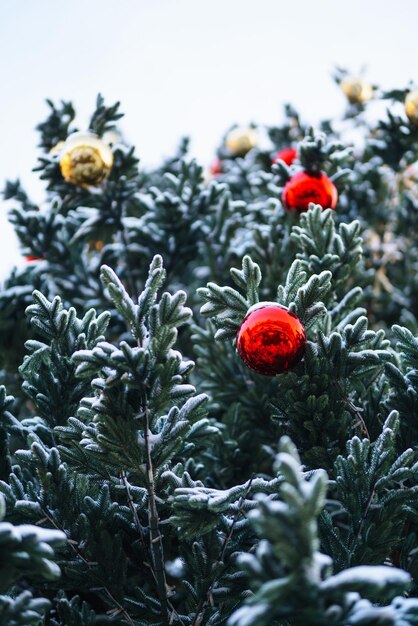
(209, 381)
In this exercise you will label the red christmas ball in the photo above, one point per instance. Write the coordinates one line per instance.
(271, 339)
(33, 258)
(288, 155)
(215, 167)
(306, 187)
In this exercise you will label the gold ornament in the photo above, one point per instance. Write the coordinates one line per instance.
(411, 107)
(96, 245)
(86, 159)
(241, 140)
(356, 90)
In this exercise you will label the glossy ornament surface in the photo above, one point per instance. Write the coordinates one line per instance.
(271, 339)
(288, 155)
(356, 90)
(86, 160)
(241, 140)
(411, 107)
(306, 187)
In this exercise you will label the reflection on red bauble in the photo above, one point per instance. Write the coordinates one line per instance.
(288, 155)
(215, 168)
(271, 339)
(306, 187)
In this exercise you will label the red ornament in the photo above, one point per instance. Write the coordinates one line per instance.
(215, 167)
(271, 339)
(33, 258)
(288, 155)
(306, 187)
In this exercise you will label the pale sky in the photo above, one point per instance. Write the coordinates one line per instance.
(186, 67)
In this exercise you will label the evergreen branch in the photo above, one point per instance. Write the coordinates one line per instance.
(248, 279)
(204, 602)
(142, 537)
(118, 605)
(22, 609)
(132, 506)
(377, 513)
(56, 126)
(104, 117)
(287, 566)
(120, 297)
(27, 550)
(354, 411)
(315, 150)
(156, 540)
(129, 276)
(75, 549)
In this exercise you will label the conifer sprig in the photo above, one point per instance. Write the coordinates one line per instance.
(289, 543)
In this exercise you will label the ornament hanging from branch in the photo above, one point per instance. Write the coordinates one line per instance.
(241, 140)
(271, 339)
(86, 160)
(356, 90)
(306, 187)
(411, 107)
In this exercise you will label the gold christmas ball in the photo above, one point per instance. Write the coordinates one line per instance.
(86, 159)
(411, 107)
(356, 90)
(241, 140)
(96, 245)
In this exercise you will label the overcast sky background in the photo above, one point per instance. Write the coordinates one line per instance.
(186, 67)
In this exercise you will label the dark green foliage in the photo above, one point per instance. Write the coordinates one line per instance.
(48, 371)
(324, 247)
(370, 509)
(55, 127)
(180, 501)
(315, 151)
(6, 422)
(403, 376)
(23, 610)
(104, 118)
(72, 612)
(25, 552)
(293, 582)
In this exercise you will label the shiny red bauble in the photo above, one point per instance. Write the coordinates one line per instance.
(215, 168)
(288, 155)
(306, 187)
(271, 339)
